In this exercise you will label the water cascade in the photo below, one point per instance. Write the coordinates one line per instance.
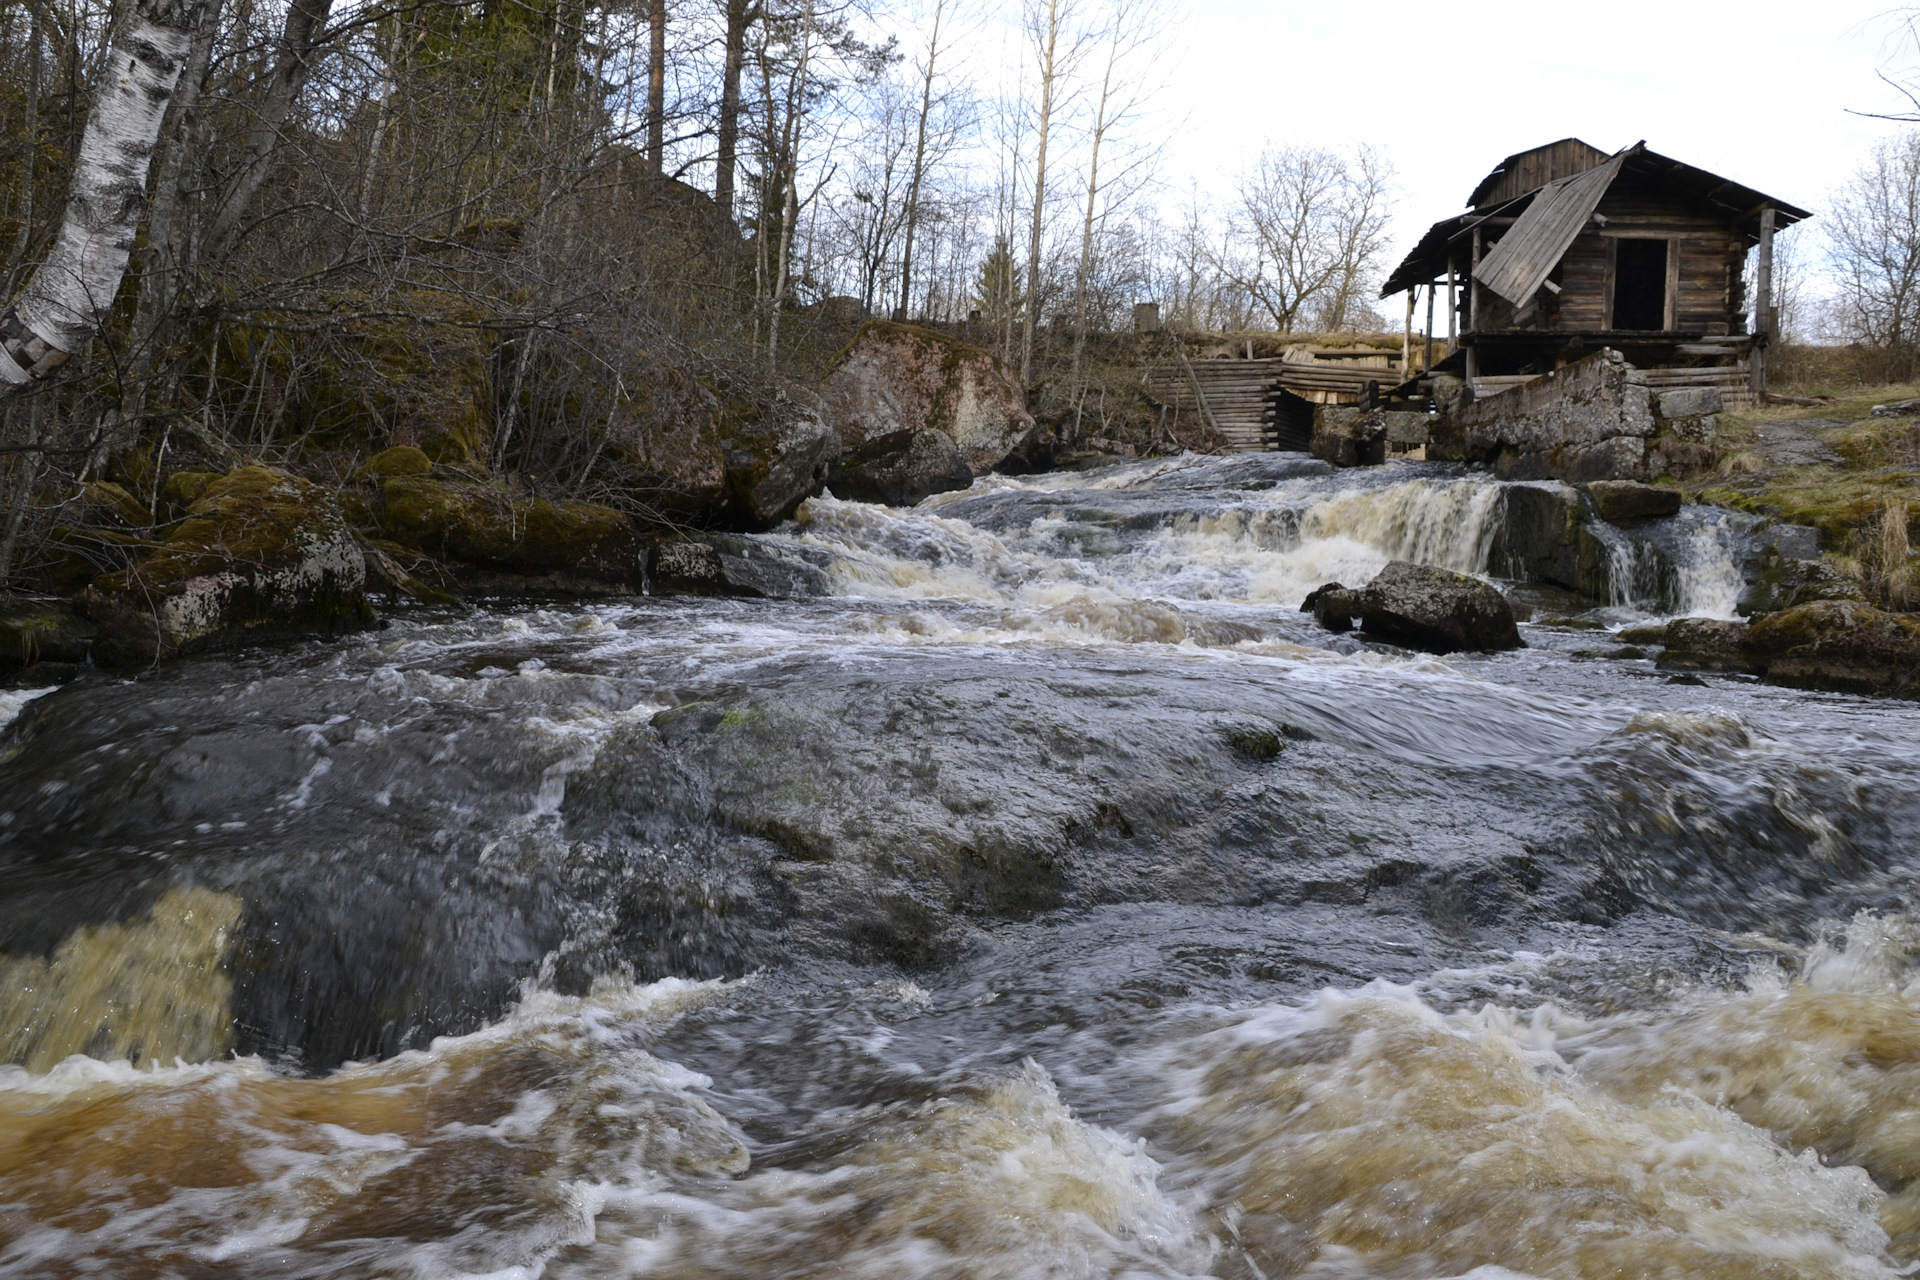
(1043, 894)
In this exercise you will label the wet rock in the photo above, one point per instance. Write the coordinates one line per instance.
(1333, 606)
(1544, 537)
(728, 565)
(259, 555)
(899, 377)
(39, 631)
(1704, 644)
(1627, 501)
(1655, 633)
(775, 462)
(1349, 436)
(531, 543)
(1786, 584)
(900, 469)
(1840, 645)
(1437, 610)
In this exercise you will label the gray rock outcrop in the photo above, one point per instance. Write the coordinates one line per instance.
(899, 378)
(1596, 419)
(900, 469)
(1436, 610)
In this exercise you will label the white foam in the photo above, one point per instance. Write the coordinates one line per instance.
(14, 701)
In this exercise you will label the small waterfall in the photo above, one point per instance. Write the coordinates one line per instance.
(1707, 580)
(1687, 567)
(1634, 574)
(1449, 524)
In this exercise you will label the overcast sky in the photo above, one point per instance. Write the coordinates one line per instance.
(1758, 92)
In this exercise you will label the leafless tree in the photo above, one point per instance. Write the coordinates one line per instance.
(1874, 232)
(1308, 234)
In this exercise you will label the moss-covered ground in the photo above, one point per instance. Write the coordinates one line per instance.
(1866, 504)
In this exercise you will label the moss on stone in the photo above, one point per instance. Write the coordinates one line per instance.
(401, 460)
(184, 488)
(34, 631)
(478, 525)
(112, 499)
(1837, 502)
(260, 553)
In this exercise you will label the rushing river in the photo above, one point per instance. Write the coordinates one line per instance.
(1041, 894)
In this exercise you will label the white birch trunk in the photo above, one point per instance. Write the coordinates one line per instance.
(60, 310)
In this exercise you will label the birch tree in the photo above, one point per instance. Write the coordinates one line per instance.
(62, 305)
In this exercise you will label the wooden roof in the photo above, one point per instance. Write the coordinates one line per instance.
(1526, 171)
(1739, 205)
(1538, 239)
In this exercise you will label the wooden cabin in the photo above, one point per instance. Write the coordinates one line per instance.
(1565, 249)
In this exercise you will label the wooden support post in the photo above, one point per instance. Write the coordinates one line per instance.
(1426, 360)
(1473, 286)
(1453, 309)
(1762, 310)
(1406, 338)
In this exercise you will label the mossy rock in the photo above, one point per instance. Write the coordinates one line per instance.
(401, 460)
(34, 631)
(184, 488)
(1840, 645)
(113, 500)
(259, 555)
(481, 527)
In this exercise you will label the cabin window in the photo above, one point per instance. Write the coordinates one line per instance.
(1640, 284)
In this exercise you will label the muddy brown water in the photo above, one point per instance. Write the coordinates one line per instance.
(1048, 899)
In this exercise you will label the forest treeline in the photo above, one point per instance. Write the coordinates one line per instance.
(520, 232)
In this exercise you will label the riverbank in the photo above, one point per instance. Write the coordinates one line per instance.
(1051, 895)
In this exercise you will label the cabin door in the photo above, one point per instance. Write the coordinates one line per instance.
(1640, 284)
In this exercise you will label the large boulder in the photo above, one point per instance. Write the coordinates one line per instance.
(523, 543)
(899, 377)
(775, 462)
(259, 555)
(1436, 610)
(1840, 645)
(1545, 535)
(900, 469)
(695, 459)
(1349, 436)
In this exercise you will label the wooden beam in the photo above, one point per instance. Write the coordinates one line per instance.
(1453, 309)
(1406, 337)
(1762, 308)
(1427, 359)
